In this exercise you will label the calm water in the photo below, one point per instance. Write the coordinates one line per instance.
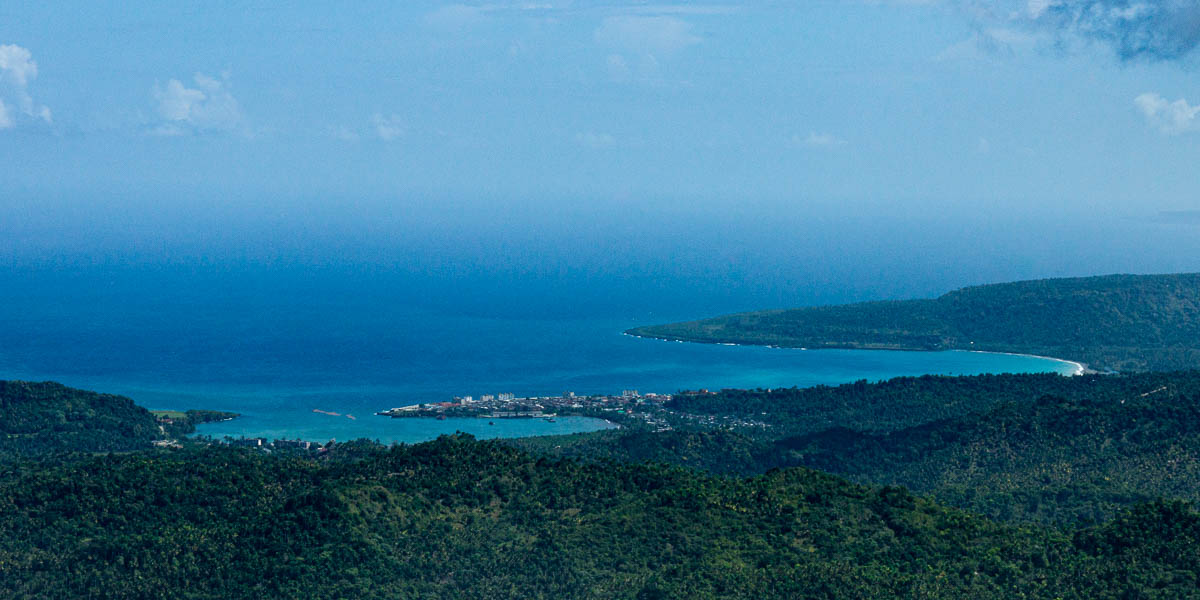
(273, 307)
(274, 361)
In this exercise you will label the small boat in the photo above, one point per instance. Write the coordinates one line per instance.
(550, 420)
(441, 417)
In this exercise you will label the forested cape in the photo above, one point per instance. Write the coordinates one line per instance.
(40, 419)
(44, 418)
(1117, 322)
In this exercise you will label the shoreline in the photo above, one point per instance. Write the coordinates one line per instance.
(1077, 368)
(412, 430)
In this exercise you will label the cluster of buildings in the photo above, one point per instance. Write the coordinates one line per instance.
(629, 407)
(508, 406)
(264, 443)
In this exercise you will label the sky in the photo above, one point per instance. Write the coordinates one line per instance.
(151, 131)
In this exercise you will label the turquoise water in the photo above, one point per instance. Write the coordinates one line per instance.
(645, 365)
(277, 385)
(387, 430)
(275, 353)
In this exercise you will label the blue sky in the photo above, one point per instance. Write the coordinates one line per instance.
(818, 103)
(243, 129)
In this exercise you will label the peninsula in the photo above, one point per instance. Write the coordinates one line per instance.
(1112, 322)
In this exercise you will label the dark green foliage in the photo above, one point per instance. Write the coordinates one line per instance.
(42, 418)
(1147, 553)
(457, 518)
(1042, 448)
(716, 451)
(1052, 460)
(910, 401)
(185, 423)
(1121, 322)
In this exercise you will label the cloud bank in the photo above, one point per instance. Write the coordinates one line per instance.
(1171, 118)
(17, 69)
(1157, 30)
(208, 107)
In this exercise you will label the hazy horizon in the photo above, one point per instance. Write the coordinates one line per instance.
(1073, 107)
(495, 159)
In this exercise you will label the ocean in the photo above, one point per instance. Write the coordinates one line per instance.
(273, 345)
(274, 308)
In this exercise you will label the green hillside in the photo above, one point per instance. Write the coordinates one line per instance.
(905, 402)
(1119, 322)
(1054, 459)
(1019, 448)
(42, 418)
(457, 518)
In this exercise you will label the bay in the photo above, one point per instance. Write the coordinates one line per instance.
(275, 368)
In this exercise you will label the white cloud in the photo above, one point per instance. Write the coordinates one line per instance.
(818, 140)
(17, 69)
(388, 127)
(657, 35)
(1035, 8)
(207, 107)
(1171, 118)
(592, 139)
(17, 63)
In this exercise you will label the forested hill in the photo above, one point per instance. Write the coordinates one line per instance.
(41, 418)
(456, 518)
(1018, 447)
(1055, 459)
(1119, 322)
(38, 419)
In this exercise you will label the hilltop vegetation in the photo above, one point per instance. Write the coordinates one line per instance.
(905, 402)
(1077, 476)
(1050, 460)
(44, 418)
(1022, 448)
(47, 418)
(1119, 322)
(456, 518)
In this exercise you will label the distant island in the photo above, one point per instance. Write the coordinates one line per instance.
(1112, 322)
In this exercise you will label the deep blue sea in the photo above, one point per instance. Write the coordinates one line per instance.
(274, 308)
(276, 351)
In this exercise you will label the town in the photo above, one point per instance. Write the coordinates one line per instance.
(629, 409)
(629, 405)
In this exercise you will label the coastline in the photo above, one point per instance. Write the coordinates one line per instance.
(1077, 368)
